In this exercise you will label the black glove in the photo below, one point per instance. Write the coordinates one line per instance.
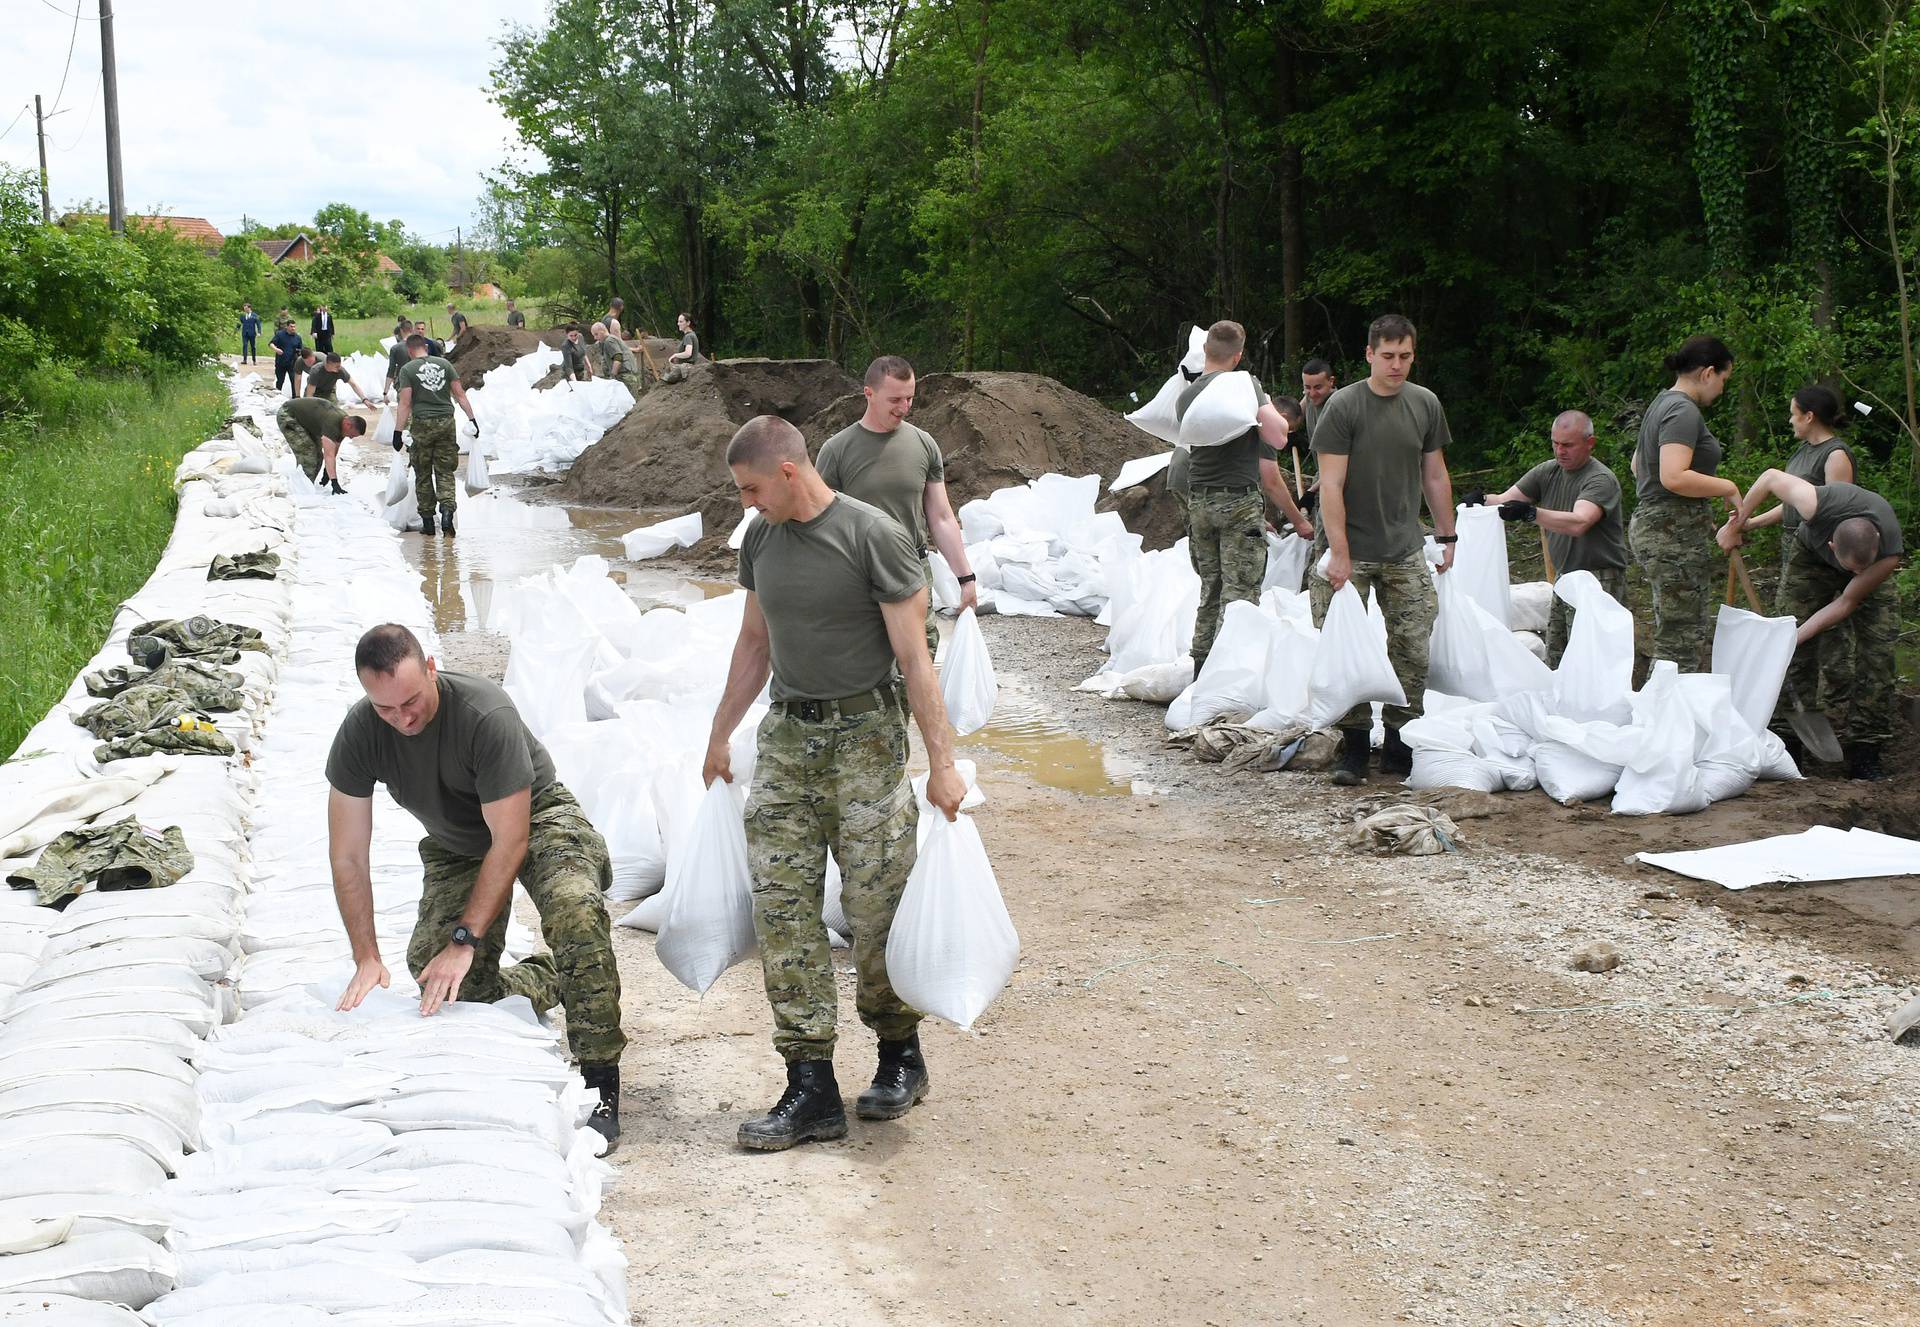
(1310, 501)
(1473, 498)
(399, 440)
(1517, 510)
(476, 427)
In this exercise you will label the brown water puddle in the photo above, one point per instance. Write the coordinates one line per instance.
(1023, 732)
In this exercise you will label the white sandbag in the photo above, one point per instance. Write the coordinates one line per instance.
(952, 948)
(1140, 469)
(652, 540)
(648, 915)
(1457, 650)
(1570, 776)
(477, 480)
(382, 435)
(1754, 652)
(116, 1267)
(1225, 409)
(547, 676)
(1531, 605)
(1292, 646)
(398, 476)
(1480, 560)
(967, 681)
(63, 1311)
(632, 831)
(1195, 360)
(1159, 416)
(946, 585)
(709, 919)
(1232, 683)
(82, 1165)
(739, 535)
(1351, 666)
(1286, 562)
(1660, 777)
(833, 910)
(1595, 676)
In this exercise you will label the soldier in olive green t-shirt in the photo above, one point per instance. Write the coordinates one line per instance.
(613, 356)
(835, 603)
(428, 387)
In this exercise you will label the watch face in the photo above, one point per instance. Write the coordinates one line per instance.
(462, 936)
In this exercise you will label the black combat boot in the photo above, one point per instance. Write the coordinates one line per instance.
(1355, 743)
(1863, 760)
(426, 525)
(446, 521)
(809, 1109)
(605, 1120)
(1396, 757)
(898, 1084)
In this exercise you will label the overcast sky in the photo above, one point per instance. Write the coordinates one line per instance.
(266, 110)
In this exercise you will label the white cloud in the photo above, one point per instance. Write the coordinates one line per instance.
(270, 111)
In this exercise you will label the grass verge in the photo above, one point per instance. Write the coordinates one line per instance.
(362, 335)
(86, 506)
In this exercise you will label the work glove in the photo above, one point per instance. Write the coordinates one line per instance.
(1517, 510)
(399, 440)
(1310, 501)
(476, 427)
(1473, 498)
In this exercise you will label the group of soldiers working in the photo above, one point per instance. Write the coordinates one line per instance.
(838, 619)
(604, 353)
(1381, 450)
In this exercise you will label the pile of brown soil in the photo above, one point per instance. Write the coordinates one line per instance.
(482, 348)
(658, 347)
(1150, 511)
(670, 450)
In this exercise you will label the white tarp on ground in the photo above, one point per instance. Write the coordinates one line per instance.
(1820, 853)
(408, 1170)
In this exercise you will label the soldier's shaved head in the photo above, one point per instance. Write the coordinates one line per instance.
(766, 442)
(1856, 542)
(1576, 422)
(385, 647)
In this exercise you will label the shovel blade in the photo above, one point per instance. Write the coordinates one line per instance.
(1816, 734)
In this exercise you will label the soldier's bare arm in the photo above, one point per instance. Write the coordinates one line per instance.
(1333, 518)
(943, 527)
(1848, 600)
(752, 661)
(509, 822)
(1437, 484)
(907, 633)
(349, 836)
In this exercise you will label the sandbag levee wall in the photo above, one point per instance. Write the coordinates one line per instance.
(324, 1163)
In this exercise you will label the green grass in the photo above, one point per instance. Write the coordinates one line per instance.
(362, 335)
(86, 506)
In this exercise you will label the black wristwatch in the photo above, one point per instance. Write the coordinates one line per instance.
(968, 577)
(462, 936)
(1446, 539)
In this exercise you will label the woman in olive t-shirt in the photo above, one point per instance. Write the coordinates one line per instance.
(1675, 466)
(1822, 458)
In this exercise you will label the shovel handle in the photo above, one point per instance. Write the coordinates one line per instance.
(1299, 489)
(1738, 566)
(1546, 556)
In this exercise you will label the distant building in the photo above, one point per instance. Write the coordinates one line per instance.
(296, 250)
(386, 266)
(198, 230)
(487, 290)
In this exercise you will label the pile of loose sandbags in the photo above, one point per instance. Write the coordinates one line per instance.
(525, 430)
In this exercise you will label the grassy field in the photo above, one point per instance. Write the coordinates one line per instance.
(86, 505)
(363, 335)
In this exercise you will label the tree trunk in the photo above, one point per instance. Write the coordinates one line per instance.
(1900, 282)
(1293, 222)
(973, 231)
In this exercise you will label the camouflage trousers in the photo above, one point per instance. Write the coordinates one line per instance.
(1227, 543)
(1407, 600)
(1673, 543)
(566, 872)
(837, 783)
(122, 855)
(1847, 669)
(305, 447)
(1560, 620)
(436, 456)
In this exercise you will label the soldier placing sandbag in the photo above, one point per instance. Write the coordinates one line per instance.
(429, 386)
(1575, 500)
(452, 749)
(836, 598)
(1834, 584)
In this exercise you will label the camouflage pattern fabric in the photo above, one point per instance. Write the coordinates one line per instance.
(305, 447)
(933, 623)
(118, 856)
(256, 566)
(212, 687)
(1408, 601)
(1560, 618)
(1847, 670)
(839, 783)
(1673, 543)
(134, 711)
(165, 741)
(153, 643)
(436, 457)
(1227, 544)
(566, 872)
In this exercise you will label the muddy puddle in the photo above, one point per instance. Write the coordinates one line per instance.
(1025, 734)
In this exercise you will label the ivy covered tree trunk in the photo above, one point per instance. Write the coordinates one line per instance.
(1719, 36)
(1812, 157)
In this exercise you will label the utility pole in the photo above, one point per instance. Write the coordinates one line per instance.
(110, 87)
(40, 127)
(459, 256)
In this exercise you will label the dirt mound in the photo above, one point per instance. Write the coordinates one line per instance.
(482, 348)
(1150, 512)
(670, 450)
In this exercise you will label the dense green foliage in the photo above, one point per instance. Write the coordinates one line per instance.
(1557, 194)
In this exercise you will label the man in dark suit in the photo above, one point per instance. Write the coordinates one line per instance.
(322, 330)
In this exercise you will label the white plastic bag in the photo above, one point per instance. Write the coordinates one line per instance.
(953, 946)
(383, 428)
(1286, 562)
(1531, 603)
(1595, 676)
(1754, 653)
(1457, 650)
(632, 832)
(1351, 665)
(1196, 357)
(967, 682)
(397, 476)
(709, 921)
(1480, 560)
(1232, 684)
(477, 479)
(1158, 416)
(653, 540)
(1224, 410)
(1660, 777)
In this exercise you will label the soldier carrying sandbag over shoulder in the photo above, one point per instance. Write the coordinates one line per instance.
(836, 605)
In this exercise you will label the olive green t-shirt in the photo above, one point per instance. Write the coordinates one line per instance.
(1233, 464)
(396, 359)
(890, 471)
(1180, 472)
(323, 380)
(1672, 417)
(515, 318)
(1809, 462)
(458, 320)
(1604, 546)
(611, 351)
(820, 584)
(476, 750)
(432, 380)
(1841, 502)
(1385, 440)
(690, 341)
(320, 417)
(573, 359)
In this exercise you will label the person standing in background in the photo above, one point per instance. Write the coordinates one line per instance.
(249, 335)
(515, 318)
(322, 330)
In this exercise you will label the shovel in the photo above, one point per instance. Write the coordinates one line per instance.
(1814, 729)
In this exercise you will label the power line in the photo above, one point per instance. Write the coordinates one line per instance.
(64, 14)
(72, 38)
(86, 121)
(16, 119)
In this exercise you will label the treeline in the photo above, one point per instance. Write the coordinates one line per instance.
(1556, 194)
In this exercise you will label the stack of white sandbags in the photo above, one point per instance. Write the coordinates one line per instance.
(527, 430)
(1040, 550)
